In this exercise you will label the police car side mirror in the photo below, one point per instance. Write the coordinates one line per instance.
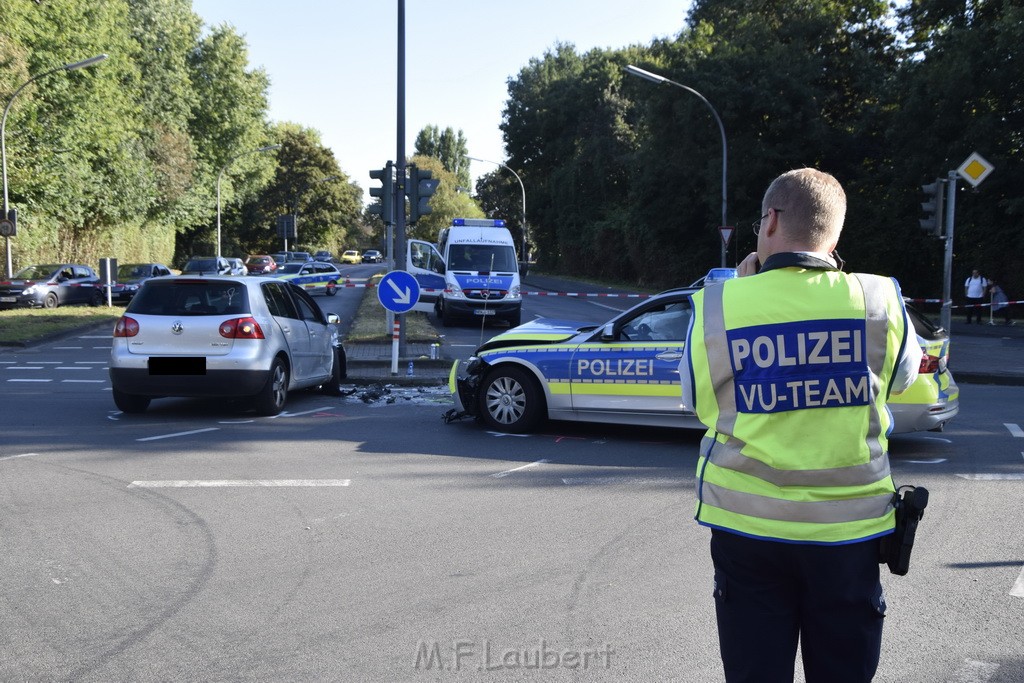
(608, 333)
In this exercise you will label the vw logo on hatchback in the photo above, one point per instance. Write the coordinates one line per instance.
(177, 327)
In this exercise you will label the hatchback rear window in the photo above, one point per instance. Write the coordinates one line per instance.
(190, 297)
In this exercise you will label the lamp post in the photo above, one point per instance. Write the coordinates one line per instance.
(521, 187)
(295, 206)
(3, 133)
(655, 78)
(221, 175)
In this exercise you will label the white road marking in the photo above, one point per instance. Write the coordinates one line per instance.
(72, 367)
(171, 436)
(83, 381)
(993, 477)
(974, 671)
(521, 436)
(19, 455)
(304, 412)
(30, 380)
(499, 475)
(929, 461)
(67, 348)
(95, 336)
(90, 362)
(606, 481)
(234, 422)
(25, 367)
(228, 483)
(1015, 430)
(1018, 587)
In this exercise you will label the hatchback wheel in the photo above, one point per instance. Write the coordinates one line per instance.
(97, 298)
(271, 399)
(338, 374)
(130, 403)
(51, 300)
(511, 400)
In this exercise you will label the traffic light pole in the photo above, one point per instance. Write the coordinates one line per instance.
(947, 292)
(399, 201)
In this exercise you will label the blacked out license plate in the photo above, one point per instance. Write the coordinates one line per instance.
(178, 365)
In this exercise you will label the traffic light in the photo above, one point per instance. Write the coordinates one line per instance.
(932, 221)
(420, 188)
(385, 194)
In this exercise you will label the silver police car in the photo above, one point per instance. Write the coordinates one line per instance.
(245, 336)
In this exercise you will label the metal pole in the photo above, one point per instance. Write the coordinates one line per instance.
(947, 303)
(522, 188)
(655, 78)
(399, 203)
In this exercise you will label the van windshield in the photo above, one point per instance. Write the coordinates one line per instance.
(482, 258)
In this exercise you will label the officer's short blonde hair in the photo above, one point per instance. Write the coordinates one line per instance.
(813, 205)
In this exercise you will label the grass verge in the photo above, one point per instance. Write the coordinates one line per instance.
(26, 325)
(371, 324)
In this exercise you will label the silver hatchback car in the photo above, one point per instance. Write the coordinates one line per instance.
(223, 336)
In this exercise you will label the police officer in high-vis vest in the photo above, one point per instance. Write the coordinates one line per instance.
(789, 366)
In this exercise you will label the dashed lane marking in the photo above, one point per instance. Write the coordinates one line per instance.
(171, 436)
(1015, 430)
(19, 455)
(30, 380)
(1013, 476)
(499, 475)
(1018, 587)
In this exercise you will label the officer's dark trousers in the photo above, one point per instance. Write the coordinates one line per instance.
(769, 595)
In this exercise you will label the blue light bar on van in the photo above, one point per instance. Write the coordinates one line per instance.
(479, 222)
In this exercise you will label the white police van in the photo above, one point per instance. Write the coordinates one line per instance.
(471, 273)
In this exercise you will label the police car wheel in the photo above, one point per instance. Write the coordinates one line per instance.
(332, 288)
(447, 319)
(511, 401)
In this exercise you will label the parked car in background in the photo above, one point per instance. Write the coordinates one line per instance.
(130, 277)
(207, 265)
(260, 264)
(372, 256)
(313, 277)
(324, 256)
(280, 257)
(351, 256)
(52, 285)
(299, 256)
(255, 338)
(238, 266)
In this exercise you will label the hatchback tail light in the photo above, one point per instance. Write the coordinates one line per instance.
(241, 328)
(126, 327)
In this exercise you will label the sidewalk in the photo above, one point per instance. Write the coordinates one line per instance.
(371, 364)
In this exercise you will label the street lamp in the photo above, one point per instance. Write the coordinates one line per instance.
(3, 133)
(221, 175)
(655, 78)
(521, 187)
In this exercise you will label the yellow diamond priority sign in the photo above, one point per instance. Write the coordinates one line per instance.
(975, 169)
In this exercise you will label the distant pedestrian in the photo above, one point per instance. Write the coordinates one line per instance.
(1000, 303)
(975, 288)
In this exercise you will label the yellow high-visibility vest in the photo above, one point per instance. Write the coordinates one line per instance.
(791, 371)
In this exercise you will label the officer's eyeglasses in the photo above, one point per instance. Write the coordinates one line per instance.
(757, 224)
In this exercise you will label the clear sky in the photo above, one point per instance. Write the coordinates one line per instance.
(332, 63)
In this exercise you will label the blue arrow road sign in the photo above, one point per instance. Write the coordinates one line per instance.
(398, 291)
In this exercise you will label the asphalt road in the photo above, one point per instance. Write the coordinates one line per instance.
(362, 539)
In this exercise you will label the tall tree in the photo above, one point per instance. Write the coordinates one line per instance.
(449, 147)
(309, 185)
